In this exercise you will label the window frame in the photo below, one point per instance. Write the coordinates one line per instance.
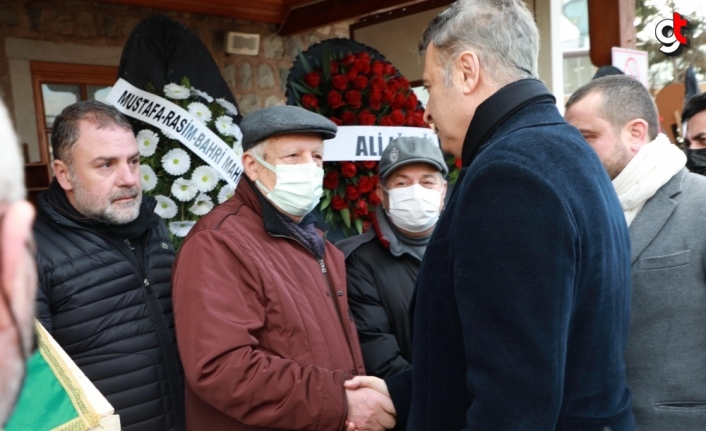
(82, 75)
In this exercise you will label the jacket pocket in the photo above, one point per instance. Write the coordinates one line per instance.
(667, 261)
(681, 405)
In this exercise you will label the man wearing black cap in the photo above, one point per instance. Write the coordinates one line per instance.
(260, 297)
(382, 264)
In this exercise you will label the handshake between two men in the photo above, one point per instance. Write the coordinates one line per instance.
(369, 405)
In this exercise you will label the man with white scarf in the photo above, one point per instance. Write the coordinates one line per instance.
(664, 207)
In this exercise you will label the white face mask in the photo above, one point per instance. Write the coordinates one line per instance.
(414, 208)
(298, 188)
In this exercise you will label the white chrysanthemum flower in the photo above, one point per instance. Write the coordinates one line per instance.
(226, 193)
(181, 228)
(166, 208)
(176, 91)
(148, 177)
(202, 205)
(238, 149)
(229, 107)
(147, 142)
(201, 94)
(200, 111)
(205, 178)
(184, 190)
(236, 132)
(176, 161)
(223, 124)
(168, 133)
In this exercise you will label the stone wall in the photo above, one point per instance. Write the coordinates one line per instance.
(256, 81)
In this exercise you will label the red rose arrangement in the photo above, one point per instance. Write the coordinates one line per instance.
(352, 85)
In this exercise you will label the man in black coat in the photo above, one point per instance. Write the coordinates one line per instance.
(104, 259)
(521, 311)
(382, 263)
(694, 121)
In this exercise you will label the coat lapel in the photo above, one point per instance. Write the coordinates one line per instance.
(655, 214)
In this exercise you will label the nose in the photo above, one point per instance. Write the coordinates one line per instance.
(427, 116)
(129, 175)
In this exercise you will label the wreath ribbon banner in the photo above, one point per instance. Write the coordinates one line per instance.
(172, 119)
(358, 143)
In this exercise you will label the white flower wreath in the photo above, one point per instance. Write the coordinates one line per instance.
(184, 185)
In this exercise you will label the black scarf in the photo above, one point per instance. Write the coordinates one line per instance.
(277, 223)
(496, 109)
(57, 199)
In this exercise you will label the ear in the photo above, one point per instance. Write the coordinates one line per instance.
(635, 134)
(250, 166)
(63, 175)
(469, 67)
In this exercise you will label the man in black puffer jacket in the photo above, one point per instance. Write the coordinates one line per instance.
(104, 260)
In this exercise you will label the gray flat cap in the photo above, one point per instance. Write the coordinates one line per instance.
(279, 120)
(404, 150)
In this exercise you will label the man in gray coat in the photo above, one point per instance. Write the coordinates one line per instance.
(664, 208)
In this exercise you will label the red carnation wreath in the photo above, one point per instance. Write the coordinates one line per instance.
(352, 85)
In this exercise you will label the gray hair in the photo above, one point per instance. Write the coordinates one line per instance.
(258, 149)
(501, 32)
(65, 131)
(624, 99)
(12, 186)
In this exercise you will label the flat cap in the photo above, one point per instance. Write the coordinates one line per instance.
(405, 150)
(279, 120)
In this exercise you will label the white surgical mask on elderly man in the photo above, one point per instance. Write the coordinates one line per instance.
(298, 188)
(414, 208)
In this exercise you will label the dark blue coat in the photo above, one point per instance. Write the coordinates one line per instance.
(522, 304)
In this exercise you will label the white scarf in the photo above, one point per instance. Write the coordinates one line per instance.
(651, 168)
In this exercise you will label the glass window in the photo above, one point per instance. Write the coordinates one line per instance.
(56, 97)
(98, 92)
(578, 70)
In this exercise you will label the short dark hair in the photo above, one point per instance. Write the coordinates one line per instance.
(65, 131)
(624, 99)
(693, 106)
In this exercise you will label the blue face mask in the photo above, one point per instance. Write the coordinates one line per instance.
(298, 188)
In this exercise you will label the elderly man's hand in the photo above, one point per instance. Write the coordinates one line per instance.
(369, 409)
(367, 382)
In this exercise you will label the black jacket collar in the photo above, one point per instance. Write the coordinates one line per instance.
(496, 109)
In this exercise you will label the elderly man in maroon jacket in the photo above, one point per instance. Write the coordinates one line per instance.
(260, 299)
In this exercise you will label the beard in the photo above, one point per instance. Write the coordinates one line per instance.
(619, 159)
(108, 208)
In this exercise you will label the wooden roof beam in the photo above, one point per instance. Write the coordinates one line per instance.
(326, 12)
